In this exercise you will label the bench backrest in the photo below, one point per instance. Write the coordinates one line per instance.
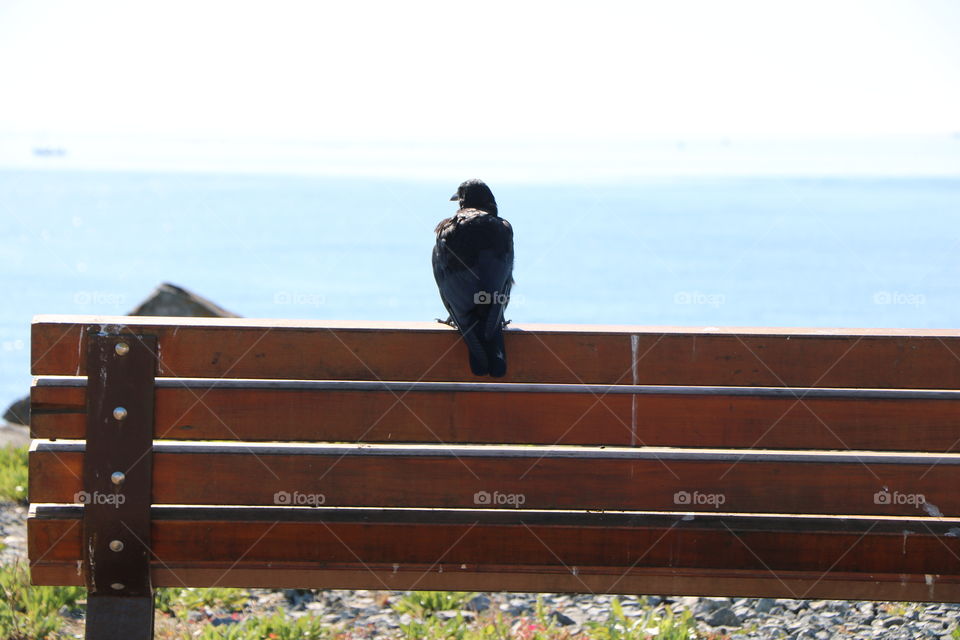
(790, 463)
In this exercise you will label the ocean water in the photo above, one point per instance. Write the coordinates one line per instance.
(770, 251)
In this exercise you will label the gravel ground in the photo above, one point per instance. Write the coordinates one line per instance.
(13, 533)
(14, 434)
(742, 618)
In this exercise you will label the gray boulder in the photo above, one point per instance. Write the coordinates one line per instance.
(166, 300)
(171, 300)
(18, 412)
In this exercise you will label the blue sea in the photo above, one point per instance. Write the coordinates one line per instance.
(736, 251)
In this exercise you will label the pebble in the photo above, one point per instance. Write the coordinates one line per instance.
(479, 603)
(724, 617)
(562, 620)
(708, 605)
(764, 605)
(451, 614)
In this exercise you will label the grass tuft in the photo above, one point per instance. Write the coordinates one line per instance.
(13, 474)
(668, 626)
(179, 602)
(275, 627)
(422, 604)
(28, 612)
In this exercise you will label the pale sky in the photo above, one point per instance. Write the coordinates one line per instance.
(446, 71)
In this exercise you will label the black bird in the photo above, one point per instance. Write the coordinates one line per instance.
(473, 266)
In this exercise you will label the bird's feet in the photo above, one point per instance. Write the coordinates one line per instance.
(449, 322)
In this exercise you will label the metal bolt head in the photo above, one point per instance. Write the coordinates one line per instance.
(116, 545)
(117, 477)
(122, 348)
(120, 413)
(117, 586)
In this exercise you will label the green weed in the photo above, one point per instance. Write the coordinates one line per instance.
(421, 604)
(28, 612)
(651, 625)
(180, 601)
(13, 474)
(276, 627)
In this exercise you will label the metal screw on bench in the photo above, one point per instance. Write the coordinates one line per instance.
(120, 413)
(116, 545)
(117, 477)
(122, 348)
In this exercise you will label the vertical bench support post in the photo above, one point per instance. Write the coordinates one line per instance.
(117, 481)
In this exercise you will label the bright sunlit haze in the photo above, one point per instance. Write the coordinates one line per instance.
(286, 83)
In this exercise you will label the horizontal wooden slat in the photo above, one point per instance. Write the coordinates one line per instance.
(244, 348)
(720, 417)
(896, 587)
(545, 477)
(741, 555)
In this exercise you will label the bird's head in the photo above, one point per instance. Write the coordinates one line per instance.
(475, 194)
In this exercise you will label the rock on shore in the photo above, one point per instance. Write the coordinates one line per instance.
(166, 300)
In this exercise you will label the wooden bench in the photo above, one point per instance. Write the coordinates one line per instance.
(741, 462)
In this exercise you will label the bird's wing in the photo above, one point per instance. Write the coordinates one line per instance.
(457, 284)
(495, 267)
(457, 287)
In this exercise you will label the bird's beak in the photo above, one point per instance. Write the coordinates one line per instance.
(454, 197)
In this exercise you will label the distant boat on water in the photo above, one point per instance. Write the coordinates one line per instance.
(49, 152)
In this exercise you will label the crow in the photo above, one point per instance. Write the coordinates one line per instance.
(473, 267)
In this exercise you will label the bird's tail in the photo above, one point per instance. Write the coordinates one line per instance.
(487, 354)
(479, 363)
(493, 335)
(496, 354)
